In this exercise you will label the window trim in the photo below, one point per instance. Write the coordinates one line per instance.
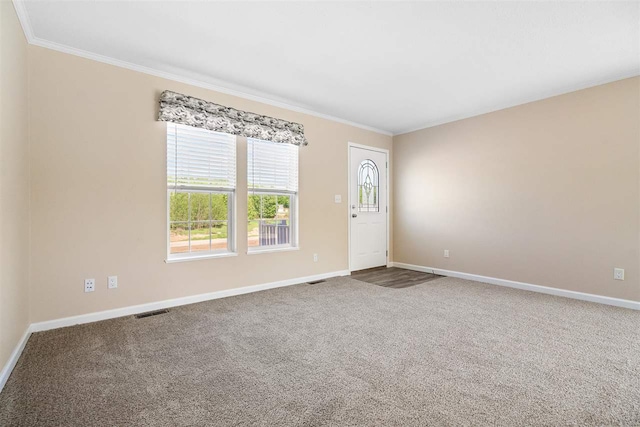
(291, 189)
(293, 219)
(272, 249)
(231, 192)
(199, 257)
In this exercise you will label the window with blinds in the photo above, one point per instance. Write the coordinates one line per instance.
(201, 159)
(272, 180)
(201, 182)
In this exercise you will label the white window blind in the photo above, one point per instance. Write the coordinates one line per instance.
(272, 166)
(199, 158)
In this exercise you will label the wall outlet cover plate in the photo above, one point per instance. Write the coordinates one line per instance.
(112, 282)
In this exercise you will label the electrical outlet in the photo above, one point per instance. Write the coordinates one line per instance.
(315, 257)
(618, 273)
(89, 285)
(112, 282)
(338, 198)
(446, 253)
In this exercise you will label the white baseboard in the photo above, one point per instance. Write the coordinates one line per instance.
(135, 309)
(634, 305)
(141, 308)
(159, 305)
(13, 359)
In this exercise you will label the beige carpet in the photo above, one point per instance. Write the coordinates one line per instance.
(343, 352)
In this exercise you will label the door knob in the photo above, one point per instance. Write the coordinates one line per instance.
(354, 215)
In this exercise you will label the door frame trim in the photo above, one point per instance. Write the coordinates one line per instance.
(386, 153)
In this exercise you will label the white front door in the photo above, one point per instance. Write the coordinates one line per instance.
(367, 208)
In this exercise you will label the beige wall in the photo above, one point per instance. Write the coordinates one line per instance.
(99, 192)
(545, 193)
(14, 183)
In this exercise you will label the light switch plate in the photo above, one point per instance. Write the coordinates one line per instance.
(338, 198)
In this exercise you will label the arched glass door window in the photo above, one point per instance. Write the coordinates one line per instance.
(368, 185)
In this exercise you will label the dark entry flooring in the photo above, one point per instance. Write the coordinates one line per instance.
(393, 277)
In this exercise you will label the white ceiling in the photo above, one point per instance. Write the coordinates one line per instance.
(386, 65)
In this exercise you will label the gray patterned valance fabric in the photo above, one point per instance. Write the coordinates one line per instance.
(190, 111)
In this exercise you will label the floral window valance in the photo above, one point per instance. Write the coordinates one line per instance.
(190, 111)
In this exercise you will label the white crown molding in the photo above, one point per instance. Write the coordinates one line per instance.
(616, 302)
(23, 17)
(540, 97)
(246, 93)
(198, 83)
(222, 88)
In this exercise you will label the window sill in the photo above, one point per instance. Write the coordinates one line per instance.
(272, 250)
(199, 257)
